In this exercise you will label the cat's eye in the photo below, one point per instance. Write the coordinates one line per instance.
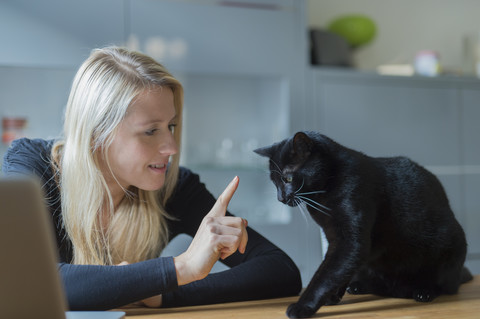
(288, 179)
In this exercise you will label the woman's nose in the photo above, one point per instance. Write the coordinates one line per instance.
(169, 145)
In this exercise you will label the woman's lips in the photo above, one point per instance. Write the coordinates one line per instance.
(160, 168)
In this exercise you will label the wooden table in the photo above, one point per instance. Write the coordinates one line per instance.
(466, 304)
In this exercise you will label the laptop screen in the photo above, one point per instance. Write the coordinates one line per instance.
(30, 283)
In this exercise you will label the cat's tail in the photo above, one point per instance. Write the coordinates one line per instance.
(465, 275)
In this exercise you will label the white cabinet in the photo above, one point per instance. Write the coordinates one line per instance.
(225, 119)
(39, 95)
(243, 67)
(57, 33)
(235, 37)
(434, 121)
(390, 116)
(242, 63)
(471, 157)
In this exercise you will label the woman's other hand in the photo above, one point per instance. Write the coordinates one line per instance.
(218, 236)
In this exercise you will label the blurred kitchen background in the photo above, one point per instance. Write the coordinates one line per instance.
(386, 77)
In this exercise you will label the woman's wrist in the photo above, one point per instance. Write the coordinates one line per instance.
(153, 302)
(181, 267)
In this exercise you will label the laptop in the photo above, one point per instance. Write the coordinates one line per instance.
(30, 285)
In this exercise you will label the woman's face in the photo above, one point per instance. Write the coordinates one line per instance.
(143, 142)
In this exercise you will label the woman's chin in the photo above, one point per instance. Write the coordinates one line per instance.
(154, 186)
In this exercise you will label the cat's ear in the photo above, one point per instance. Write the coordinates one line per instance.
(302, 145)
(264, 151)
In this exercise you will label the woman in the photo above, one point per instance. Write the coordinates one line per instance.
(117, 196)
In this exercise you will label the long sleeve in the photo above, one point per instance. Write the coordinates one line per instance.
(260, 276)
(88, 287)
(263, 271)
(31, 157)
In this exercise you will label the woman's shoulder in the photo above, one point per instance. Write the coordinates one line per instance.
(35, 144)
(187, 181)
(27, 145)
(184, 174)
(27, 156)
(188, 188)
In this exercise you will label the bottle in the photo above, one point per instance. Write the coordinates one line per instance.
(13, 128)
(427, 63)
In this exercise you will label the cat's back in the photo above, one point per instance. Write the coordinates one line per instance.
(417, 213)
(413, 190)
(402, 173)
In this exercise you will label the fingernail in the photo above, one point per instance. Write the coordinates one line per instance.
(234, 180)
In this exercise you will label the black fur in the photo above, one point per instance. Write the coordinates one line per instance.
(388, 222)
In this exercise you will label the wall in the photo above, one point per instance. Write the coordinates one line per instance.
(29, 41)
(406, 27)
(231, 57)
(377, 115)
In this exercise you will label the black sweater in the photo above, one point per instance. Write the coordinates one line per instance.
(264, 271)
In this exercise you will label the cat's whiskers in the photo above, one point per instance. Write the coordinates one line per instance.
(313, 204)
(303, 182)
(309, 193)
(301, 206)
(318, 209)
(300, 199)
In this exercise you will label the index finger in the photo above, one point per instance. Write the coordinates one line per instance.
(223, 200)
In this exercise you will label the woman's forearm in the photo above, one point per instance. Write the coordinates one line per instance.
(268, 276)
(106, 287)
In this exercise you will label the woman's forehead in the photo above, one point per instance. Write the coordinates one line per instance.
(152, 105)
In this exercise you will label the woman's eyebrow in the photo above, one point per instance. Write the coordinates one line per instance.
(149, 122)
(155, 120)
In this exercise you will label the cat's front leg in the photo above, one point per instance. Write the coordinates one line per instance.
(344, 257)
(326, 287)
(305, 309)
(337, 297)
(296, 310)
(316, 294)
(313, 298)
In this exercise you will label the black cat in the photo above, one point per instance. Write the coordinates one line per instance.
(388, 222)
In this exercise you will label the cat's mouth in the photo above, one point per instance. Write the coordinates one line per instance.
(290, 202)
(287, 199)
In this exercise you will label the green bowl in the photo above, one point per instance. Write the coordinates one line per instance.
(357, 30)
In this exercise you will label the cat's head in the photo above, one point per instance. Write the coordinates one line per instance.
(297, 165)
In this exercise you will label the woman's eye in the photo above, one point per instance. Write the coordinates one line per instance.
(150, 132)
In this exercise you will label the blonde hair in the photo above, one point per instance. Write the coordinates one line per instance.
(103, 88)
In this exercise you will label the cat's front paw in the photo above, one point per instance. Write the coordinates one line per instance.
(423, 295)
(297, 310)
(356, 288)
